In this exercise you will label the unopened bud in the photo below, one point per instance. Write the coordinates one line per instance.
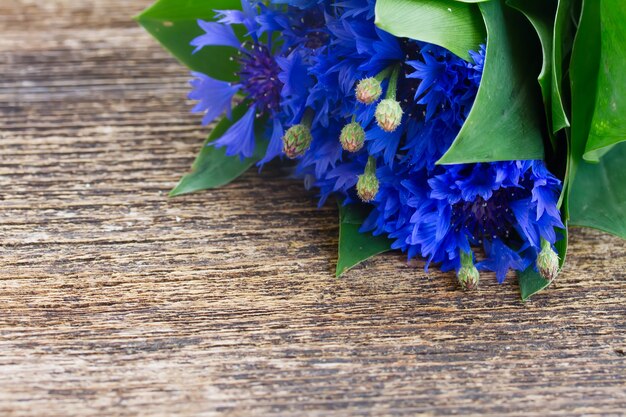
(367, 185)
(388, 114)
(352, 137)
(297, 140)
(368, 90)
(468, 275)
(548, 261)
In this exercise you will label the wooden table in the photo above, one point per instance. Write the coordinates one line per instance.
(116, 300)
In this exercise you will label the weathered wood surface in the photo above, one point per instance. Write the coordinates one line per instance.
(115, 300)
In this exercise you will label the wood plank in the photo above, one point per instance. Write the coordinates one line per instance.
(117, 300)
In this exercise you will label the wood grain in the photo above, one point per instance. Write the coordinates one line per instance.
(115, 300)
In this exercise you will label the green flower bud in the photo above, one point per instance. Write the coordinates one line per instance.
(367, 185)
(297, 140)
(389, 114)
(468, 275)
(368, 90)
(352, 137)
(548, 261)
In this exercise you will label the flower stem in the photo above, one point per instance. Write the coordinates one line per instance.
(393, 84)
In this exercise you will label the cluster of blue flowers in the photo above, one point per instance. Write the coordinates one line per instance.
(366, 115)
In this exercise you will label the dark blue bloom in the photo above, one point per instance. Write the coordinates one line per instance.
(306, 56)
(489, 205)
(276, 85)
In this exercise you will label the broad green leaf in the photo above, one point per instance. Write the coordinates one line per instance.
(530, 281)
(584, 69)
(174, 24)
(541, 15)
(608, 125)
(506, 121)
(562, 40)
(454, 25)
(598, 193)
(212, 168)
(354, 246)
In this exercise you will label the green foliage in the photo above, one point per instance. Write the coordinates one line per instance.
(598, 193)
(455, 25)
(506, 121)
(531, 282)
(597, 190)
(562, 41)
(212, 168)
(608, 125)
(541, 14)
(356, 247)
(174, 24)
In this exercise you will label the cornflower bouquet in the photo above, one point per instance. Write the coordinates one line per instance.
(468, 133)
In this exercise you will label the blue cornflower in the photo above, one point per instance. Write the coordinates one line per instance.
(314, 71)
(275, 85)
(500, 206)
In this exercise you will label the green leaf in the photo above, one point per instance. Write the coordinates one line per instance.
(598, 193)
(584, 69)
(541, 13)
(608, 125)
(506, 121)
(354, 246)
(562, 40)
(456, 26)
(530, 281)
(174, 24)
(212, 168)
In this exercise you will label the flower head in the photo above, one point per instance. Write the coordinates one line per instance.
(367, 185)
(297, 140)
(352, 137)
(368, 90)
(389, 114)
(548, 261)
(259, 77)
(467, 274)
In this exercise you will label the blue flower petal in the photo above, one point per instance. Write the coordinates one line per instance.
(213, 96)
(216, 34)
(239, 138)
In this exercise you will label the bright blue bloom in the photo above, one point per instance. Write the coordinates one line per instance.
(308, 55)
(276, 85)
